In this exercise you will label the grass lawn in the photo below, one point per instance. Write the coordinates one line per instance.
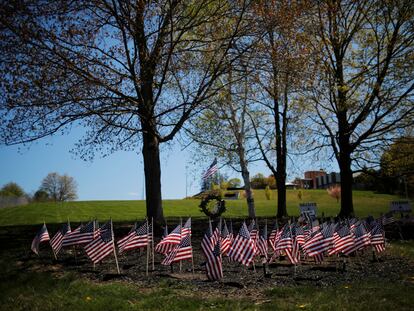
(365, 203)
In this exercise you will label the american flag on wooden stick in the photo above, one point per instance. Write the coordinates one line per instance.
(102, 246)
(225, 240)
(254, 234)
(182, 251)
(285, 244)
(81, 235)
(322, 241)
(361, 239)
(186, 230)
(342, 239)
(207, 241)
(214, 265)
(122, 242)
(140, 237)
(242, 249)
(41, 236)
(262, 245)
(168, 243)
(377, 237)
(57, 240)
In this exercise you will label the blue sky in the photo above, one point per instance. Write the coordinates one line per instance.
(116, 177)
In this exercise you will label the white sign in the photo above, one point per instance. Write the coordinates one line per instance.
(400, 206)
(308, 208)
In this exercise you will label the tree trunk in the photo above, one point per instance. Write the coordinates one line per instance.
(281, 195)
(152, 168)
(249, 193)
(347, 207)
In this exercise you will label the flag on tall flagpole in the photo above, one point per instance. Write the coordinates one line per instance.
(213, 168)
(41, 236)
(57, 240)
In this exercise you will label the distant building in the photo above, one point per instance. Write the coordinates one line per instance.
(329, 180)
(319, 180)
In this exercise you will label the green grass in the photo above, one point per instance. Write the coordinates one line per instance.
(44, 291)
(365, 203)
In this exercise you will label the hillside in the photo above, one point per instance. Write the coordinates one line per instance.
(365, 202)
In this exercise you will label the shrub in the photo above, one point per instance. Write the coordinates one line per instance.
(268, 193)
(335, 192)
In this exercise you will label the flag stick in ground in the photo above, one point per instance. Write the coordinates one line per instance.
(113, 246)
(290, 229)
(181, 226)
(148, 250)
(152, 242)
(192, 256)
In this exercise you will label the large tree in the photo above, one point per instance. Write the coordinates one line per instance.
(131, 72)
(280, 67)
(363, 94)
(225, 129)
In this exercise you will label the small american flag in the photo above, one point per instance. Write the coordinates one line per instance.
(387, 219)
(225, 240)
(377, 237)
(274, 236)
(168, 243)
(82, 235)
(361, 239)
(57, 240)
(186, 230)
(207, 241)
(122, 242)
(102, 246)
(285, 244)
(242, 249)
(41, 236)
(180, 252)
(211, 170)
(262, 245)
(139, 238)
(214, 265)
(254, 234)
(321, 242)
(342, 239)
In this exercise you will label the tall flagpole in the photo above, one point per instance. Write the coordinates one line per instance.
(113, 247)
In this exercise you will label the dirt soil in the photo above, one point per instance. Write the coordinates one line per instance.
(238, 280)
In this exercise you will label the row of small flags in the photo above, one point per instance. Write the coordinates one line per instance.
(294, 240)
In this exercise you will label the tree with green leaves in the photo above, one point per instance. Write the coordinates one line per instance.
(130, 72)
(280, 70)
(12, 189)
(362, 95)
(397, 164)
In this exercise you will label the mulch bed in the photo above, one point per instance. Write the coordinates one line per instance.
(237, 279)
